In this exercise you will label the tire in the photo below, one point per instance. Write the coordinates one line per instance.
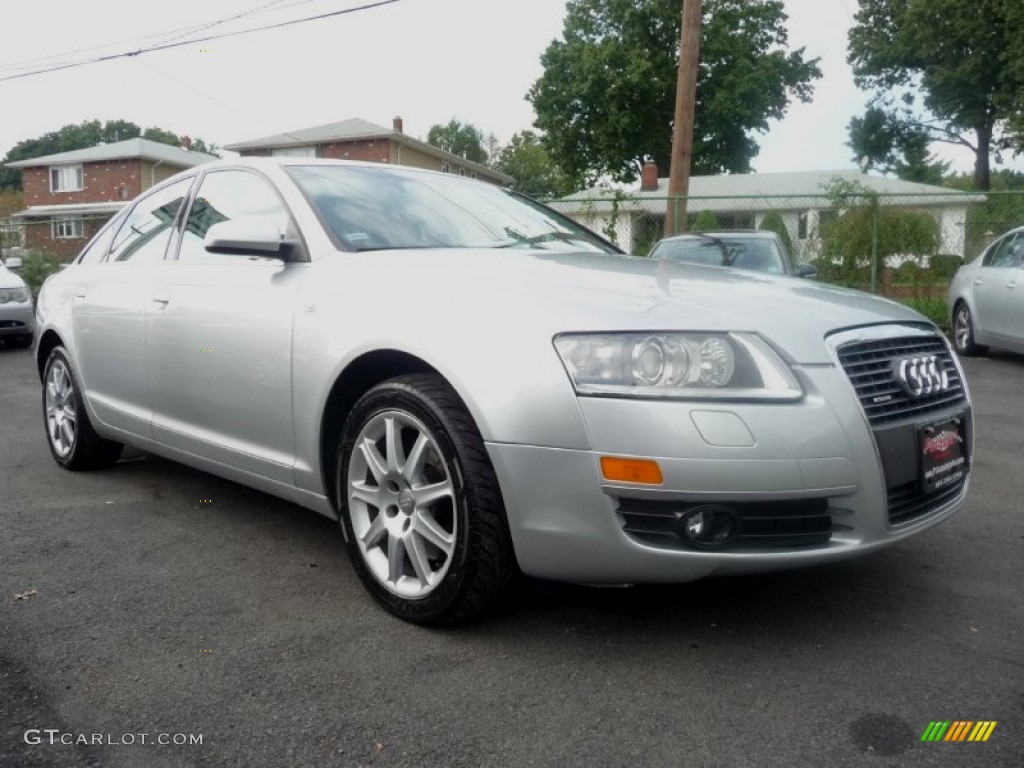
(69, 433)
(442, 559)
(19, 342)
(963, 332)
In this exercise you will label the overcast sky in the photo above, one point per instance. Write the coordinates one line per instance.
(426, 60)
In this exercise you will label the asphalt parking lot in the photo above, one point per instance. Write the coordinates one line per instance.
(157, 600)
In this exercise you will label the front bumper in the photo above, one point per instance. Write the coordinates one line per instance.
(17, 319)
(568, 523)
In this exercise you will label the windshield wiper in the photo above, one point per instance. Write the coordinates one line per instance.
(521, 239)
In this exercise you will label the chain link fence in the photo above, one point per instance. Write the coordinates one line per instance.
(12, 235)
(905, 246)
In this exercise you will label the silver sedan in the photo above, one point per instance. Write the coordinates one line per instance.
(17, 317)
(478, 388)
(986, 298)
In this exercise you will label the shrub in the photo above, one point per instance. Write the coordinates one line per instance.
(944, 265)
(706, 221)
(772, 222)
(36, 266)
(908, 272)
(932, 307)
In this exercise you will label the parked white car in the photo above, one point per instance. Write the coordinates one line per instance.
(986, 298)
(17, 316)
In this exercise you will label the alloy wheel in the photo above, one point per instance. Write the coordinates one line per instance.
(962, 328)
(61, 416)
(401, 503)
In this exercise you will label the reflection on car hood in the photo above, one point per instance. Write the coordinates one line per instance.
(558, 292)
(9, 280)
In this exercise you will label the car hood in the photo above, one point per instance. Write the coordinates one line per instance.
(9, 280)
(532, 290)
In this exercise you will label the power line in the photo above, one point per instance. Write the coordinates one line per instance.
(178, 44)
(219, 100)
(179, 31)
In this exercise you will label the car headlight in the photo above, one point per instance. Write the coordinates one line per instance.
(728, 366)
(13, 294)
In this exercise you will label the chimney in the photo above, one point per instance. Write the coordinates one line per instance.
(649, 177)
(186, 143)
(396, 125)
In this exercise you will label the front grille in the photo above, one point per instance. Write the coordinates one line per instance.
(907, 502)
(869, 365)
(763, 524)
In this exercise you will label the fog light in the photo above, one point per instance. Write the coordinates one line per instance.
(709, 526)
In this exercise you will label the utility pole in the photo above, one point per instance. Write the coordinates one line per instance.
(682, 129)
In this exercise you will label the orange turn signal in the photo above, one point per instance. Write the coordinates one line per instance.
(631, 470)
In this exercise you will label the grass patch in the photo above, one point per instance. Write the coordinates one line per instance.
(932, 307)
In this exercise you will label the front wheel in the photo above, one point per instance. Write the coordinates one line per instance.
(69, 433)
(963, 332)
(419, 503)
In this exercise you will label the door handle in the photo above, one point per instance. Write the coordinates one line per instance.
(79, 296)
(977, 281)
(162, 297)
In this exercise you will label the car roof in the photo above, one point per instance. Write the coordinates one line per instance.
(723, 234)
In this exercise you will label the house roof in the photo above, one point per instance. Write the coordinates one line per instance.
(121, 150)
(771, 191)
(346, 130)
(73, 209)
(356, 129)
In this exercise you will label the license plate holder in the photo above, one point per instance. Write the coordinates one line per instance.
(943, 454)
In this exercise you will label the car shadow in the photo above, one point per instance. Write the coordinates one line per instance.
(833, 600)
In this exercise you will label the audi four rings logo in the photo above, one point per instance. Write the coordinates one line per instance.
(922, 375)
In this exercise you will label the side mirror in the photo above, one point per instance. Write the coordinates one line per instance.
(13, 263)
(806, 270)
(245, 236)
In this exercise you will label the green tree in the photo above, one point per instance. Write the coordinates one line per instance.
(895, 146)
(462, 139)
(961, 57)
(607, 96)
(1002, 210)
(527, 161)
(81, 136)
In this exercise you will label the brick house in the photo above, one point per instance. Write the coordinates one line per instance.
(358, 139)
(70, 195)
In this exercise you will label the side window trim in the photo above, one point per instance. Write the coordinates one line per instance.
(126, 213)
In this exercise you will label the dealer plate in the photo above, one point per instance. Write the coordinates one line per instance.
(943, 454)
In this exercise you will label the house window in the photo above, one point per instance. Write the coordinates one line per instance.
(293, 152)
(446, 167)
(66, 178)
(67, 229)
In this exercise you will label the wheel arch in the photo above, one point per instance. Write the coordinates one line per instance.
(358, 377)
(47, 343)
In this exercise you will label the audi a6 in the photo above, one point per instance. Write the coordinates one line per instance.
(475, 387)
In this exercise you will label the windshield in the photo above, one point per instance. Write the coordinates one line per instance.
(759, 254)
(368, 209)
